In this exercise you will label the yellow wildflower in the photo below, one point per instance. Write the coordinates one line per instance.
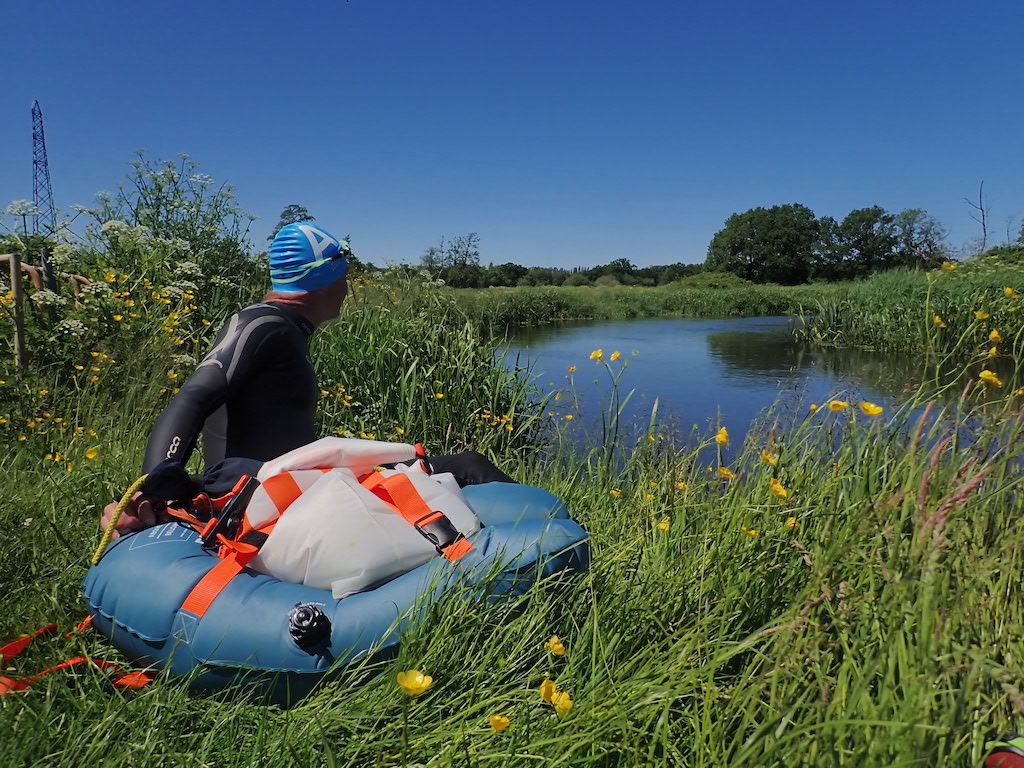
(870, 409)
(571, 369)
(981, 314)
(413, 682)
(615, 492)
(649, 497)
(948, 266)
(118, 318)
(568, 417)
(939, 321)
(767, 457)
(110, 277)
(837, 405)
(172, 375)
(664, 525)
(555, 645)
(439, 395)
(499, 722)
(791, 523)
(751, 532)
(1010, 293)
(562, 702)
(993, 352)
(681, 486)
(548, 689)
(778, 489)
(722, 438)
(995, 337)
(726, 472)
(92, 453)
(990, 378)
(814, 407)
(399, 431)
(616, 355)
(597, 354)
(79, 367)
(71, 467)
(21, 438)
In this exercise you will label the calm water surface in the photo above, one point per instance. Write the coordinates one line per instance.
(702, 372)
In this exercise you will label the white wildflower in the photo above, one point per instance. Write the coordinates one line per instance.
(47, 298)
(23, 208)
(188, 269)
(73, 328)
(114, 225)
(95, 289)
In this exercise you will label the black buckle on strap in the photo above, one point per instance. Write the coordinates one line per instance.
(230, 517)
(438, 530)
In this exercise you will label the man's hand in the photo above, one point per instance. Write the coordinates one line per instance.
(142, 512)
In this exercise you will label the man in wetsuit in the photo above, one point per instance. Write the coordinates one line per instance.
(254, 394)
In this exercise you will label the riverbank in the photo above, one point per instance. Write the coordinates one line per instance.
(501, 308)
(806, 603)
(962, 313)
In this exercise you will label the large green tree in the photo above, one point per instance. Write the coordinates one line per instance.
(867, 240)
(922, 239)
(767, 245)
(292, 214)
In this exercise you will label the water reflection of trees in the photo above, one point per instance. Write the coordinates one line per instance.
(777, 354)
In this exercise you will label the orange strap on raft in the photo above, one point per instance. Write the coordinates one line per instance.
(401, 495)
(397, 491)
(13, 684)
(205, 592)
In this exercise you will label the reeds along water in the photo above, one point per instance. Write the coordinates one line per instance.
(868, 615)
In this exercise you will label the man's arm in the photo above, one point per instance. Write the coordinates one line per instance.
(234, 357)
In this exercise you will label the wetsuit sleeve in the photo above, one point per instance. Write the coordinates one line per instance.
(237, 353)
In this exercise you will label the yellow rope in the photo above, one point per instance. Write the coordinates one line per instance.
(117, 516)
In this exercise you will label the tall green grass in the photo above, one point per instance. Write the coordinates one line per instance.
(870, 618)
(500, 308)
(933, 313)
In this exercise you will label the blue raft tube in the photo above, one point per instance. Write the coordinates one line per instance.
(243, 643)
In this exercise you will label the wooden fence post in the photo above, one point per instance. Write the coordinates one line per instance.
(19, 320)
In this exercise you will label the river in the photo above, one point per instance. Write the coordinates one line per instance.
(703, 373)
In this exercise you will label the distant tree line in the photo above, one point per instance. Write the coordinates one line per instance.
(785, 244)
(788, 244)
(457, 261)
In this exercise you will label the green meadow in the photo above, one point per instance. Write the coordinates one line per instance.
(844, 592)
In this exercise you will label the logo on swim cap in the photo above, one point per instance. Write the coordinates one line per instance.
(305, 257)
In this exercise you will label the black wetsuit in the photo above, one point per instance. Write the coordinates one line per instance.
(255, 391)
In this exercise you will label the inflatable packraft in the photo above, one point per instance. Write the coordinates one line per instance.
(279, 639)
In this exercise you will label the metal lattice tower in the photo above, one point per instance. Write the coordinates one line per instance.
(42, 194)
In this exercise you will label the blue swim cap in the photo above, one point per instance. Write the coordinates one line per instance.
(305, 257)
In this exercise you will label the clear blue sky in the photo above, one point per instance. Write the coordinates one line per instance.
(563, 132)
